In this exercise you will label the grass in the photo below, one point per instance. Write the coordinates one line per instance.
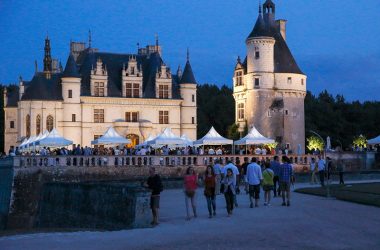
(363, 193)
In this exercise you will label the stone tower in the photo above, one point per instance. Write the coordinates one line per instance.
(269, 87)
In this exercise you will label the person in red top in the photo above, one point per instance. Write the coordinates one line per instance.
(209, 191)
(190, 186)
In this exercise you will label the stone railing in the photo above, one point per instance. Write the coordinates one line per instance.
(148, 160)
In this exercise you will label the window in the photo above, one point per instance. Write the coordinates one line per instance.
(193, 120)
(302, 82)
(99, 115)
(49, 123)
(99, 89)
(12, 124)
(286, 112)
(269, 114)
(289, 80)
(193, 98)
(27, 125)
(163, 91)
(257, 82)
(38, 124)
(239, 78)
(241, 111)
(132, 70)
(131, 116)
(257, 53)
(73, 118)
(70, 94)
(132, 90)
(97, 136)
(164, 117)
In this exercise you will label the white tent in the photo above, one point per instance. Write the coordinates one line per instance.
(23, 143)
(166, 138)
(53, 139)
(187, 141)
(110, 137)
(213, 138)
(30, 142)
(254, 138)
(145, 143)
(374, 141)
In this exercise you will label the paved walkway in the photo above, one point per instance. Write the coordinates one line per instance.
(310, 223)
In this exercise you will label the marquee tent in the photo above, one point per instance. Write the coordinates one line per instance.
(187, 141)
(53, 139)
(110, 137)
(166, 138)
(213, 138)
(39, 138)
(254, 138)
(374, 141)
(145, 143)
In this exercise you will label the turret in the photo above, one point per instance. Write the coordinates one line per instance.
(269, 12)
(47, 58)
(71, 81)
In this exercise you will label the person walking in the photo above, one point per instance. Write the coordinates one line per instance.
(314, 171)
(209, 190)
(254, 179)
(218, 176)
(268, 175)
(321, 170)
(235, 176)
(244, 174)
(190, 186)
(154, 183)
(229, 190)
(275, 166)
(286, 173)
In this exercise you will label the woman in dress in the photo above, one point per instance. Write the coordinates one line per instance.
(209, 191)
(190, 186)
(229, 190)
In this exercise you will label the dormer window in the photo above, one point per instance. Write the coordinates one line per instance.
(163, 92)
(239, 78)
(99, 79)
(132, 70)
(99, 89)
(132, 90)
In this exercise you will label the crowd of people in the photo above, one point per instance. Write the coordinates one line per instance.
(228, 180)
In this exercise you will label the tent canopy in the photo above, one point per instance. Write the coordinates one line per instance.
(145, 143)
(54, 139)
(374, 141)
(166, 138)
(110, 137)
(254, 138)
(213, 138)
(187, 141)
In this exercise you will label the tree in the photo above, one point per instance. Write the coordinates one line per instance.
(360, 141)
(315, 143)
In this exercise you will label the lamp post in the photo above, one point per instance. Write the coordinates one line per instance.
(328, 195)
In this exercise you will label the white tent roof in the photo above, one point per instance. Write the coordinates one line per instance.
(374, 141)
(166, 138)
(30, 141)
(213, 138)
(187, 141)
(254, 137)
(25, 141)
(53, 139)
(110, 137)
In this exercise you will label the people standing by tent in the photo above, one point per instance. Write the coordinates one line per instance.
(321, 170)
(209, 191)
(154, 183)
(268, 176)
(286, 173)
(235, 176)
(229, 190)
(275, 166)
(190, 186)
(254, 179)
(313, 171)
(218, 176)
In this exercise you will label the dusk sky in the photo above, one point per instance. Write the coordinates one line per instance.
(336, 43)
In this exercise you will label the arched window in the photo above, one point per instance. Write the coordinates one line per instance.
(49, 123)
(38, 124)
(27, 125)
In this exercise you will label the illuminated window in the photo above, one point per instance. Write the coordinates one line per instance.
(163, 91)
(49, 123)
(241, 111)
(239, 78)
(38, 124)
(164, 117)
(99, 88)
(99, 115)
(131, 116)
(132, 90)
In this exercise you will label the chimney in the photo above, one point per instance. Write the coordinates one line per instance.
(281, 27)
(5, 97)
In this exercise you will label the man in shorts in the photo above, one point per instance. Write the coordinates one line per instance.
(254, 179)
(154, 183)
(286, 173)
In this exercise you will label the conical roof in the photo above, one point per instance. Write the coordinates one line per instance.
(71, 69)
(213, 138)
(188, 75)
(260, 29)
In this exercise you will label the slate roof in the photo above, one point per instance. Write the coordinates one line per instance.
(188, 75)
(71, 69)
(12, 96)
(42, 88)
(283, 59)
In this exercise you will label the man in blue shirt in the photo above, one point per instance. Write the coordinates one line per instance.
(275, 166)
(254, 179)
(285, 175)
